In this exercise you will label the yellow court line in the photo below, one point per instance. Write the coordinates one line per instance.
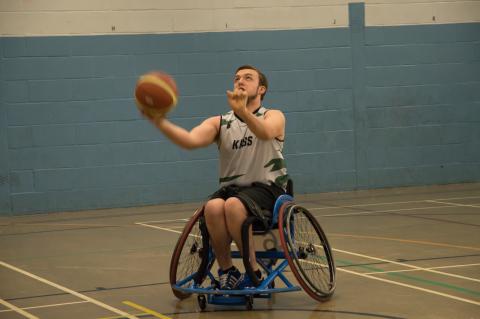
(145, 309)
(121, 317)
(406, 241)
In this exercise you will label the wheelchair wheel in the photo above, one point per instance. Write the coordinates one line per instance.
(307, 250)
(191, 256)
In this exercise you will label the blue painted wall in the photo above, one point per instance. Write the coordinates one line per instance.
(366, 108)
(422, 98)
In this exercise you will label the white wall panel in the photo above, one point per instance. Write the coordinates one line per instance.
(403, 12)
(73, 17)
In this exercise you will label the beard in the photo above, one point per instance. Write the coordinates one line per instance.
(253, 96)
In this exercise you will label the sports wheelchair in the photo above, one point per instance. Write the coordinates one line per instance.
(303, 247)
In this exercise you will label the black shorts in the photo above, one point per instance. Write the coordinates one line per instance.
(262, 195)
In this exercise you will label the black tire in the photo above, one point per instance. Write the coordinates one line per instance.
(202, 302)
(307, 250)
(249, 302)
(192, 255)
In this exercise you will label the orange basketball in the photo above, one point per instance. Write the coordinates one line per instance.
(156, 92)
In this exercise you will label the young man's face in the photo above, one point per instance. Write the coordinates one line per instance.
(248, 81)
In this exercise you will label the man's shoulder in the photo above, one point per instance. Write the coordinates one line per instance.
(226, 116)
(271, 111)
(214, 120)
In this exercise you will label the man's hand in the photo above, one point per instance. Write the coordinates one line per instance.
(238, 101)
(150, 114)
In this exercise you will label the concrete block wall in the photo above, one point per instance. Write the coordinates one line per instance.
(422, 98)
(367, 105)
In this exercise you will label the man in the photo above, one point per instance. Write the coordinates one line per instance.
(250, 142)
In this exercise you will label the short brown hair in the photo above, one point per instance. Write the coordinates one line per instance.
(262, 79)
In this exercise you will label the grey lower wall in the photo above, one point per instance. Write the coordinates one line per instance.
(365, 107)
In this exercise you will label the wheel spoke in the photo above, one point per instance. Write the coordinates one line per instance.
(190, 259)
(310, 253)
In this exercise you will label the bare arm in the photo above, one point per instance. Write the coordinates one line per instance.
(200, 136)
(272, 125)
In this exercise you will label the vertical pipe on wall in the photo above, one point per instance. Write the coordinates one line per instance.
(5, 206)
(356, 13)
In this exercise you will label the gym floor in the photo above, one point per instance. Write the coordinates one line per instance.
(400, 253)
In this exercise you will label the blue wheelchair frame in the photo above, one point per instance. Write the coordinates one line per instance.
(212, 295)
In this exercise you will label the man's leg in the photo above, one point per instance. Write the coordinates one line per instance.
(235, 215)
(217, 228)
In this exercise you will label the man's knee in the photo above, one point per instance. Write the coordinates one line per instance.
(235, 207)
(214, 208)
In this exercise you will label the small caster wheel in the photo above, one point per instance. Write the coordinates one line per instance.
(202, 302)
(249, 302)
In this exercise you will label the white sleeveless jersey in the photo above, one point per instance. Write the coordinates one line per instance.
(244, 158)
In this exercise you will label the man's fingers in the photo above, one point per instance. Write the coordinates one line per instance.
(241, 93)
(237, 94)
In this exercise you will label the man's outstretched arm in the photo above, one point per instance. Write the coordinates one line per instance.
(200, 136)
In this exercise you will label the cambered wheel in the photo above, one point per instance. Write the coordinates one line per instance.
(192, 256)
(307, 250)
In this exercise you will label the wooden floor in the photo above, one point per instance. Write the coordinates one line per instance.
(400, 253)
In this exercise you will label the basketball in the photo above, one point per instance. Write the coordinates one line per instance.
(156, 93)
